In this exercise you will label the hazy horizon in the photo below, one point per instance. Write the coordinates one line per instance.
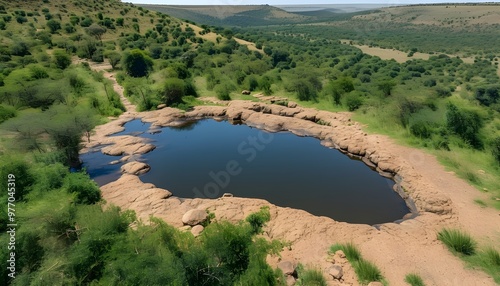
(293, 2)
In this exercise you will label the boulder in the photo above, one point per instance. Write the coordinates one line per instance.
(197, 230)
(246, 92)
(292, 104)
(227, 195)
(336, 271)
(161, 106)
(194, 217)
(135, 168)
(290, 280)
(287, 267)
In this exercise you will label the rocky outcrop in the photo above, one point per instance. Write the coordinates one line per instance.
(194, 217)
(135, 168)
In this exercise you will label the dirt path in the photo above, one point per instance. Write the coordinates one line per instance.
(105, 67)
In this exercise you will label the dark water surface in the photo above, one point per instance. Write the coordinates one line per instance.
(208, 158)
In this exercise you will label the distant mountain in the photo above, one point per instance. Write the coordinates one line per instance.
(231, 15)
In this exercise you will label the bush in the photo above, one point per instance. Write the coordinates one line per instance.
(22, 172)
(6, 112)
(466, 124)
(137, 64)
(353, 101)
(53, 25)
(457, 241)
(62, 59)
(421, 129)
(173, 90)
(496, 149)
(258, 219)
(86, 190)
(414, 280)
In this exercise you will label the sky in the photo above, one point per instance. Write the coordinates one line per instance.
(289, 2)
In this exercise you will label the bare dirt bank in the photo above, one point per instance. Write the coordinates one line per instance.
(441, 199)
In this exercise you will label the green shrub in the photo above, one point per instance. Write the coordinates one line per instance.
(349, 249)
(496, 149)
(366, 271)
(258, 219)
(414, 280)
(353, 101)
(86, 190)
(23, 177)
(137, 64)
(173, 90)
(62, 59)
(466, 124)
(492, 256)
(457, 241)
(6, 112)
(309, 277)
(421, 129)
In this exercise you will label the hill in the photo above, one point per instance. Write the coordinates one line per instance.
(445, 15)
(231, 15)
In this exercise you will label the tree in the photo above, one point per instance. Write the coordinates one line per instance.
(173, 90)
(20, 49)
(62, 59)
(386, 86)
(339, 87)
(137, 64)
(66, 125)
(114, 58)
(96, 31)
(53, 25)
(466, 124)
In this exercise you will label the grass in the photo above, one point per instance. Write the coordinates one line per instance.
(365, 271)
(487, 260)
(309, 277)
(457, 241)
(414, 280)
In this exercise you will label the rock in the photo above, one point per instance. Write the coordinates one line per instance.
(194, 217)
(375, 284)
(197, 230)
(135, 168)
(290, 280)
(161, 106)
(114, 162)
(227, 195)
(185, 228)
(336, 271)
(292, 104)
(340, 253)
(246, 92)
(287, 267)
